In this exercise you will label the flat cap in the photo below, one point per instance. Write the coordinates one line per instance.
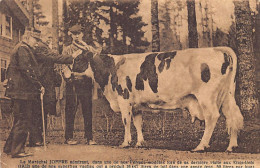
(75, 28)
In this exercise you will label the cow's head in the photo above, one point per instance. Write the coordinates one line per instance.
(102, 66)
(82, 62)
(94, 65)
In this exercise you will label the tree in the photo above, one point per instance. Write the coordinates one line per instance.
(169, 37)
(55, 25)
(206, 23)
(118, 18)
(246, 60)
(155, 26)
(113, 27)
(83, 13)
(257, 49)
(192, 24)
(131, 26)
(64, 25)
(125, 33)
(171, 24)
(31, 18)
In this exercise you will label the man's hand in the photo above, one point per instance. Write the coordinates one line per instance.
(5, 83)
(76, 53)
(66, 72)
(42, 90)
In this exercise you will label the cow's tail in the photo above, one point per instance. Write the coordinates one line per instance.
(234, 118)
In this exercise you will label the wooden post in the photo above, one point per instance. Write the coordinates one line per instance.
(155, 26)
(55, 25)
(55, 46)
(192, 24)
(31, 15)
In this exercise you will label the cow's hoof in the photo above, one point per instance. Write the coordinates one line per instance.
(125, 145)
(197, 151)
(140, 144)
(230, 149)
(200, 149)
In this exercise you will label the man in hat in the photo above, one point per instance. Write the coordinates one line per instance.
(24, 88)
(50, 79)
(78, 88)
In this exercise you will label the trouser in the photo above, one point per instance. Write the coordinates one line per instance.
(79, 90)
(49, 106)
(23, 117)
(36, 134)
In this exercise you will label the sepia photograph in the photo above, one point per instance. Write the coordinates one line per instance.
(130, 84)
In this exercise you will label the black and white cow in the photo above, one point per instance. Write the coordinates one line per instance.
(199, 80)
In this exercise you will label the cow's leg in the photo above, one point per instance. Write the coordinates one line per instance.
(138, 123)
(234, 119)
(211, 114)
(126, 111)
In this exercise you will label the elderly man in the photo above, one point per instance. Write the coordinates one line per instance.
(46, 59)
(78, 88)
(25, 83)
(24, 88)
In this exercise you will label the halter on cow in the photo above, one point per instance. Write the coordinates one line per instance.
(199, 80)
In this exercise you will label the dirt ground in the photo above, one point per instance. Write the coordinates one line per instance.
(94, 154)
(169, 137)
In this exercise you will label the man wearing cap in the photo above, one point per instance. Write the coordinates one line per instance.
(78, 88)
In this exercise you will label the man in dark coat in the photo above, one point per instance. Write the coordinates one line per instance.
(78, 88)
(24, 87)
(46, 59)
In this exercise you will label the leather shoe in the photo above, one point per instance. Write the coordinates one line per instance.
(20, 155)
(71, 142)
(37, 144)
(7, 152)
(92, 142)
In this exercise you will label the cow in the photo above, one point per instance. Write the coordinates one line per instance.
(201, 81)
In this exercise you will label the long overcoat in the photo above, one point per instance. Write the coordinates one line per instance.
(23, 74)
(50, 79)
